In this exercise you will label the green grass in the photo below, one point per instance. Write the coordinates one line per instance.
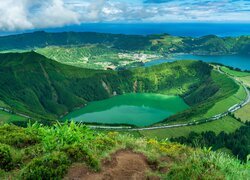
(14, 51)
(229, 94)
(38, 152)
(9, 118)
(245, 80)
(234, 73)
(214, 96)
(243, 113)
(3, 104)
(244, 77)
(89, 56)
(225, 104)
(227, 124)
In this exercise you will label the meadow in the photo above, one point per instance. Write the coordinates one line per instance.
(226, 124)
(243, 113)
(234, 72)
(6, 117)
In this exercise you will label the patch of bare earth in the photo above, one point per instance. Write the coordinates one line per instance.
(123, 165)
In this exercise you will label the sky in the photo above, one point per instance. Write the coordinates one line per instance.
(36, 14)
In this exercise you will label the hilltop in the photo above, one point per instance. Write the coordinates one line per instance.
(73, 151)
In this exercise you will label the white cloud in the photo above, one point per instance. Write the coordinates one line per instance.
(54, 14)
(32, 14)
(28, 14)
(13, 15)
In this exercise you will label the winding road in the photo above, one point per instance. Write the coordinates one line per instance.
(216, 117)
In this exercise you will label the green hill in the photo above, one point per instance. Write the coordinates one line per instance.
(33, 84)
(43, 39)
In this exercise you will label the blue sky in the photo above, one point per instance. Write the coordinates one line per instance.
(34, 14)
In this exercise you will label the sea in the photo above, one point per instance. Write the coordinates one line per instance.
(175, 29)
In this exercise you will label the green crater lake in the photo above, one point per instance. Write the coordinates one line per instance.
(140, 109)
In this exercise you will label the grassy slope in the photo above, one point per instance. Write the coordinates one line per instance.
(234, 73)
(3, 104)
(243, 113)
(244, 77)
(225, 104)
(219, 92)
(47, 152)
(7, 118)
(246, 80)
(84, 56)
(235, 93)
(227, 124)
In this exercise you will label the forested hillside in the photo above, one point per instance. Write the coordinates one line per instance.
(33, 84)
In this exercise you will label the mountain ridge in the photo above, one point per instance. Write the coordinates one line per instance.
(163, 43)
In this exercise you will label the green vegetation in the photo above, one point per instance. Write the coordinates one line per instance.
(226, 124)
(209, 45)
(3, 104)
(89, 56)
(225, 104)
(6, 117)
(46, 89)
(47, 152)
(33, 84)
(246, 80)
(215, 96)
(243, 113)
(238, 142)
(234, 73)
(244, 77)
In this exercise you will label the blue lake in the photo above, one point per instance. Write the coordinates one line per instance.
(242, 62)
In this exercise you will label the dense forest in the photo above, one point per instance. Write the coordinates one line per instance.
(237, 142)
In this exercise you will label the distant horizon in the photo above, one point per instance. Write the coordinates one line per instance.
(194, 29)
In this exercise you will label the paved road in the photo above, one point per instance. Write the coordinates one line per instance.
(9, 111)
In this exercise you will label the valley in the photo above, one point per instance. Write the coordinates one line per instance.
(104, 52)
(124, 90)
(63, 93)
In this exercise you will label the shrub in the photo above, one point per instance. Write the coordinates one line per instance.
(32, 152)
(209, 165)
(19, 140)
(77, 153)
(104, 142)
(51, 166)
(60, 135)
(18, 137)
(195, 168)
(5, 157)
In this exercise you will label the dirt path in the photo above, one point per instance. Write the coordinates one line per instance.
(122, 166)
